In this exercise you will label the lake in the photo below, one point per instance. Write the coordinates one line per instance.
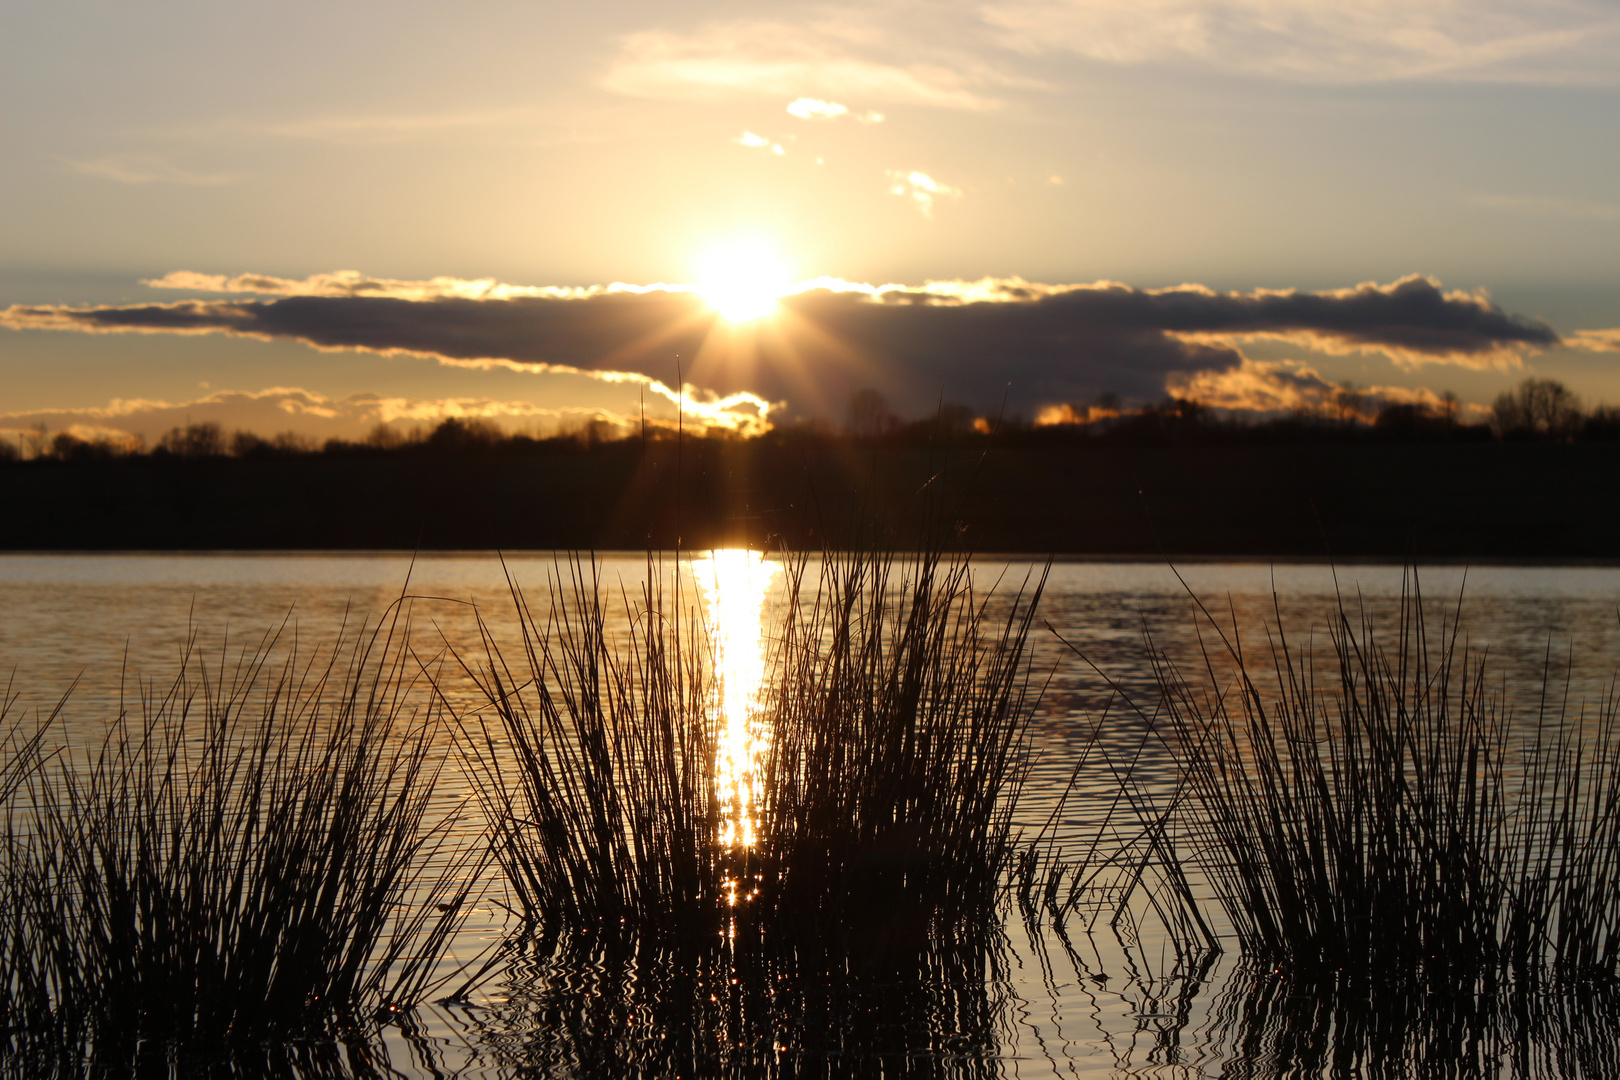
(1111, 1002)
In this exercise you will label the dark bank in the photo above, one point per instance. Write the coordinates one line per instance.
(1274, 492)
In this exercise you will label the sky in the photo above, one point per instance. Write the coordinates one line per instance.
(318, 217)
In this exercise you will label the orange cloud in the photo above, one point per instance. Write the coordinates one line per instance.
(1595, 340)
(1284, 386)
(305, 413)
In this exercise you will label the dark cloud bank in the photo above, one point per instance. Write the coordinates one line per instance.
(978, 344)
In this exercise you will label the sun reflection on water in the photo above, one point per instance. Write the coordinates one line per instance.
(735, 582)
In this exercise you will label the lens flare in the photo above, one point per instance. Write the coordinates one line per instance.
(735, 583)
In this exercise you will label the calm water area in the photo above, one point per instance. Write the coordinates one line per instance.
(1109, 1003)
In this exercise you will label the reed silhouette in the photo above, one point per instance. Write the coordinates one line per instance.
(1378, 809)
(248, 857)
(897, 715)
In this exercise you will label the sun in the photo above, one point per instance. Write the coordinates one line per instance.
(742, 279)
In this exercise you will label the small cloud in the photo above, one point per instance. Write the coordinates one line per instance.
(807, 108)
(1055, 180)
(148, 169)
(759, 142)
(921, 188)
(1540, 206)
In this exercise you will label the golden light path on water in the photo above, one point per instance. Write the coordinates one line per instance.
(734, 583)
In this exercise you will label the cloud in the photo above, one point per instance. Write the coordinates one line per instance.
(1287, 386)
(1595, 340)
(351, 128)
(807, 108)
(1540, 206)
(1412, 322)
(978, 342)
(148, 169)
(760, 142)
(354, 283)
(1330, 41)
(921, 188)
(827, 58)
(383, 128)
(305, 413)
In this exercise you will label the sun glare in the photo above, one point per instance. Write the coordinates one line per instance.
(735, 583)
(742, 280)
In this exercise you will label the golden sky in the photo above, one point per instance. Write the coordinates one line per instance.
(1005, 200)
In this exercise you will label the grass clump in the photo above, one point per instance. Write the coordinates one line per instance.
(898, 723)
(893, 718)
(1383, 815)
(248, 858)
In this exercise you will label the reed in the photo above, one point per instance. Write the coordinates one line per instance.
(593, 760)
(1384, 812)
(895, 715)
(251, 855)
(898, 725)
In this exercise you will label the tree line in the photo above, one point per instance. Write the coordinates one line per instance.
(1541, 410)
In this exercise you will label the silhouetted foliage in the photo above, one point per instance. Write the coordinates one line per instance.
(193, 441)
(870, 415)
(1537, 409)
(458, 436)
(66, 447)
(1602, 425)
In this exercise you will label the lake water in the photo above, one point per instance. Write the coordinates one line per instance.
(1100, 1004)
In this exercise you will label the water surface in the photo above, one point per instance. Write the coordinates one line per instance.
(1095, 1005)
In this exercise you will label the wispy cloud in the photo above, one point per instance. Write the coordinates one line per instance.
(354, 283)
(1330, 41)
(382, 128)
(978, 342)
(305, 413)
(1607, 340)
(1286, 386)
(348, 128)
(921, 189)
(148, 169)
(824, 58)
(1543, 206)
